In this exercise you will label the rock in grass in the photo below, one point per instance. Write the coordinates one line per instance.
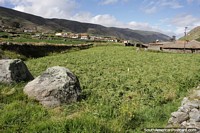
(179, 117)
(14, 70)
(56, 86)
(195, 115)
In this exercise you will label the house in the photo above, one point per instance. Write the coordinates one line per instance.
(182, 47)
(126, 41)
(85, 36)
(59, 34)
(115, 40)
(38, 35)
(98, 38)
(75, 36)
(29, 30)
(9, 30)
(111, 39)
(65, 34)
(92, 38)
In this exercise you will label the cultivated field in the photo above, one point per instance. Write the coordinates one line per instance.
(123, 90)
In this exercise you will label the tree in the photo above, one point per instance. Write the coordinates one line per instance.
(15, 24)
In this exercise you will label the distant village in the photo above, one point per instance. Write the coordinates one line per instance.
(172, 45)
(85, 36)
(47, 35)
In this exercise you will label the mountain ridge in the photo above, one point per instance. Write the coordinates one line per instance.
(10, 16)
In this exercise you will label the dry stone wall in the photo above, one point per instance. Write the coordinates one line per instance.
(188, 114)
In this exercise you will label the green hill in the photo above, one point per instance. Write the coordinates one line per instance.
(9, 17)
(194, 34)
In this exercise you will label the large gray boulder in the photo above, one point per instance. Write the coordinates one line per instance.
(14, 70)
(56, 86)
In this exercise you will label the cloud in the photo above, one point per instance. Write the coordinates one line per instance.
(190, 1)
(172, 4)
(140, 26)
(110, 21)
(102, 19)
(150, 10)
(179, 23)
(185, 20)
(48, 9)
(106, 19)
(2, 2)
(176, 26)
(156, 5)
(82, 17)
(108, 2)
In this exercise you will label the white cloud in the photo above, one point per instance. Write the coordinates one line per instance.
(82, 17)
(102, 19)
(108, 2)
(172, 4)
(177, 24)
(48, 9)
(151, 10)
(156, 5)
(106, 19)
(190, 1)
(140, 26)
(2, 2)
(110, 21)
(185, 20)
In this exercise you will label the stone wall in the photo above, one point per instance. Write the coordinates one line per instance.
(181, 50)
(40, 49)
(188, 114)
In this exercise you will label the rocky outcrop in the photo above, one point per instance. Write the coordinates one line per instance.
(56, 86)
(188, 115)
(14, 71)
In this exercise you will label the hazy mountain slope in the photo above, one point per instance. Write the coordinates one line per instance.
(8, 17)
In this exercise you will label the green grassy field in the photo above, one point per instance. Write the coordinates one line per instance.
(57, 41)
(124, 90)
(24, 38)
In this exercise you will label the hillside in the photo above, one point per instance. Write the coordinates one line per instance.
(9, 17)
(194, 34)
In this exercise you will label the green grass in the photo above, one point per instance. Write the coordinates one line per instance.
(58, 41)
(3, 33)
(124, 90)
(198, 39)
(11, 55)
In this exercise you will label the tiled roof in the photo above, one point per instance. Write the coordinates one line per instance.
(180, 44)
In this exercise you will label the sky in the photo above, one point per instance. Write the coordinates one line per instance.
(166, 16)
